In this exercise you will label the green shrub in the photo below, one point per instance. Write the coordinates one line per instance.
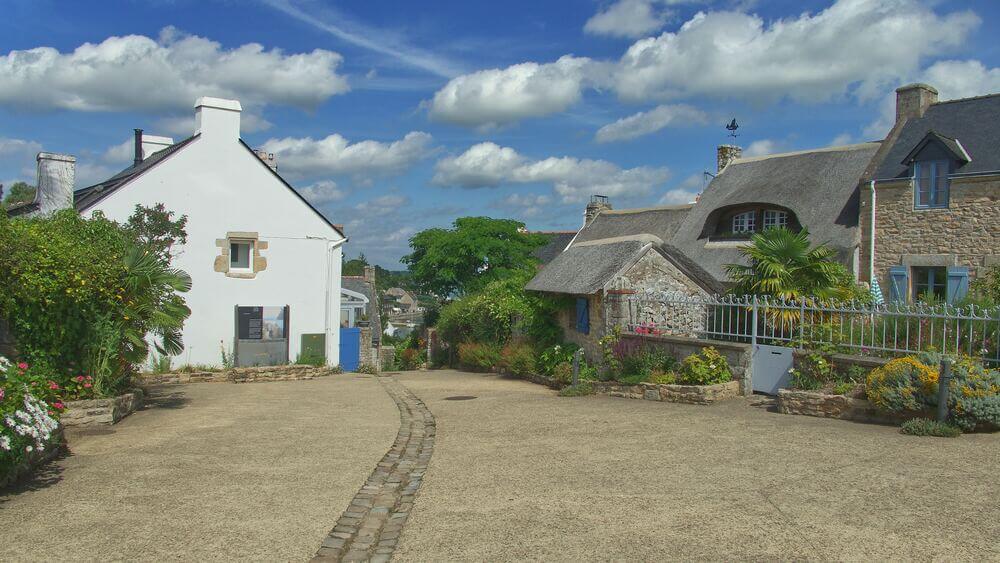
(664, 378)
(844, 387)
(29, 411)
(578, 390)
(973, 395)
(555, 355)
(903, 384)
(407, 359)
(160, 363)
(518, 358)
(311, 359)
(478, 357)
(926, 427)
(707, 367)
(814, 371)
(563, 373)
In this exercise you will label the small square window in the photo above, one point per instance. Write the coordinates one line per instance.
(774, 219)
(744, 222)
(930, 282)
(240, 256)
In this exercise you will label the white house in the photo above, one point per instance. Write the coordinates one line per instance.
(265, 264)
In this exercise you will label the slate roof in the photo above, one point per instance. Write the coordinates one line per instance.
(558, 241)
(84, 198)
(22, 207)
(821, 187)
(970, 121)
(583, 270)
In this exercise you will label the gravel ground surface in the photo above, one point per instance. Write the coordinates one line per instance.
(256, 471)
(519, 473)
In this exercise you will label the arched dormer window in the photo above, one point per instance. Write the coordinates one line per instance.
(742, 221)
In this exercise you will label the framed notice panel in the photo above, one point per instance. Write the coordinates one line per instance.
(261, 335)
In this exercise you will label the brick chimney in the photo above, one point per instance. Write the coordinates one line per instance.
(913, 100)
(56, 174)
(597, 204)
(726, 154)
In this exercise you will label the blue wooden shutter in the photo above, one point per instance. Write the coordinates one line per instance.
(582, 315)
(898, 283)
(958, 283)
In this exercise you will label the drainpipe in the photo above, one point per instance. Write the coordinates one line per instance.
(327, 328)
(871, 239)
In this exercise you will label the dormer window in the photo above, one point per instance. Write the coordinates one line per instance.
(745, 222)
(930, 183)
(774, 218)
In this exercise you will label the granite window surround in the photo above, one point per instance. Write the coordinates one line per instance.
(226, 263)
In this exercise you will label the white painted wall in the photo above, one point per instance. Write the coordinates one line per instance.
(221, 186)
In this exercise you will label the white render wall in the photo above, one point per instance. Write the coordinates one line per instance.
(221, 186)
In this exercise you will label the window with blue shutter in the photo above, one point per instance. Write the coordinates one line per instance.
(958, 283)
(898, 283)
(582, 315)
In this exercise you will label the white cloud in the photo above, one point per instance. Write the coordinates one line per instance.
(525, 205)
(18, 147)
(646, 122)
(762, 147)
(324, 191)
(953, 79)
(812, 58)
(17, 160)
(120, 153)
(685, 192)
(336, 155)
(628, 18)
(842, 139)
(499, 96)
(572, 179)
(137, 73)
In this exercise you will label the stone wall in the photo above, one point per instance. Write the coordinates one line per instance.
(654, 273)
(293, 372)
(101, 411)
(368, 354)
(589, 342)
(690, 394)
(810, 403)
(738, 355)
(386, 357)
(967, 233)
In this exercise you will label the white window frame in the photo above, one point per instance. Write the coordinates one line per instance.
(745, 222)
(775, 218)
(251, 246)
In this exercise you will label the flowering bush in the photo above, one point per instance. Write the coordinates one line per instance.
(481, 357)
(814, 372)
(519, 359)
(555, 355)
(27, 421)
(707, 367)
(904, 384)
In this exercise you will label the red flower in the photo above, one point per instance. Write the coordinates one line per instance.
(22, 366)
(53, 385)
(79, 378)
(58, 405)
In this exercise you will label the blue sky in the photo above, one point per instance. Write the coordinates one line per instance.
(396, 116)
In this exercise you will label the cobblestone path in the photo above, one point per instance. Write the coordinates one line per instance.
(369, 529)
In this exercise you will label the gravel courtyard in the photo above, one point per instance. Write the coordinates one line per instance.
(519, 473)
(263, 471)
(257, 471)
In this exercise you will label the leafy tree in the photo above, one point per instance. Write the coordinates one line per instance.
(477, 251)
(782, 264)
(19, 192)
(354, 267)
(156, 229)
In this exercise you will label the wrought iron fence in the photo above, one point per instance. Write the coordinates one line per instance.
(859, 328)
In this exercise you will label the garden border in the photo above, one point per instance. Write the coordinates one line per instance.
(24, 470)
(823, 405)
(110, 410)
(256, 374)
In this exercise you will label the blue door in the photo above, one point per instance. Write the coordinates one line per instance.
(350, 348)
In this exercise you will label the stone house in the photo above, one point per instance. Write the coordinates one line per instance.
(264, 263)
(683, 249)
(359, 308)
(932, 199)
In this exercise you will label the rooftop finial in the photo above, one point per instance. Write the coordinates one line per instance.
(732, 127)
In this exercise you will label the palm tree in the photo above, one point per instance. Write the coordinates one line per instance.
(781, 264)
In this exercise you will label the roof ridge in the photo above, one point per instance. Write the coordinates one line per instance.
(838, 148)
(673, 207)
(969, 99)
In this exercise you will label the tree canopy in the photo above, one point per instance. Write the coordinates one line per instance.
(476, 251)
(19, 192)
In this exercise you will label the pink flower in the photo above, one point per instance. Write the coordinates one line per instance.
(58, 405)
(90, 378)
(22, 366)
(1, 393)
(87, 385)
(79, 378)
(53, 385)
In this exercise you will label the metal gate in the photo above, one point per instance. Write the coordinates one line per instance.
(350, 348)
(770, 368)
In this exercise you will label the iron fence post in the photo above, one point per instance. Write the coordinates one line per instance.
(802, 321)
(943, 380)
(753, 330)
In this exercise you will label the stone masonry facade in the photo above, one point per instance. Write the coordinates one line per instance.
(966, 233)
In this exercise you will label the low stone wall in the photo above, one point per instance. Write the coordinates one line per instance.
(35, 459)
(811, 403)
(738, 355)
(690, 394)
(293, 372)
(101, 411)
(544, 380)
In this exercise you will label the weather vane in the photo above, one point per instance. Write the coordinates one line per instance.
(732, 127)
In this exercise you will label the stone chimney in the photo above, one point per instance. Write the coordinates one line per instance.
(370, 274)
(216, 118)
(726, 154)
(268, 158)
(597, 204)
(56, 174)
(913, 100)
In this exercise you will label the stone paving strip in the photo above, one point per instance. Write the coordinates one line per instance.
(369, 529)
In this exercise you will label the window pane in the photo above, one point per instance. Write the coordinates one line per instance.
(744, 222)
(774, 218)
(239, 255)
